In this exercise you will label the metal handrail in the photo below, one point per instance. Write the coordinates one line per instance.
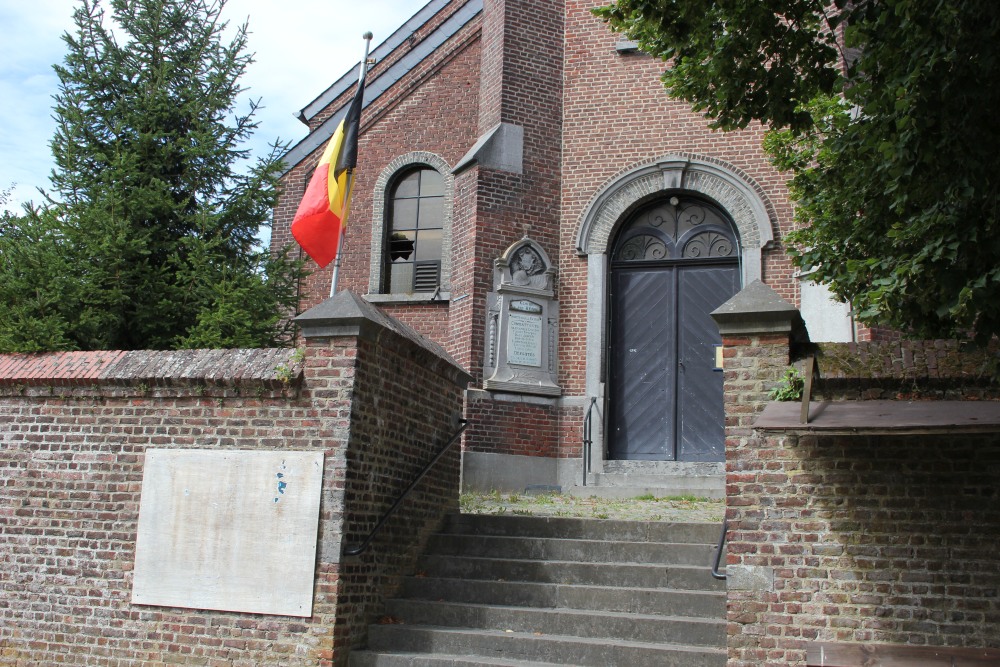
(359, 549)
(718, 551)
(587, 439)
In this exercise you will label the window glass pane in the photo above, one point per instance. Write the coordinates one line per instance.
(401, 278)
(401, 246)
(431, 183)
(408, 186)
(404, 214)
(431, 212)
(415, 229)
(428, 244)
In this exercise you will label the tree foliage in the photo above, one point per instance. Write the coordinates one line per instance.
(147, 238)
(881, 111)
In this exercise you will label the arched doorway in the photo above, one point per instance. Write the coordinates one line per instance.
(672, 262)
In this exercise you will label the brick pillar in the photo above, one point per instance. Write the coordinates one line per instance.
(757, 327)
(506, 186)
(509, 180)
(397, 398)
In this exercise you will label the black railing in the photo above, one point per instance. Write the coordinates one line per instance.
(719, 550)
(359, 549)
(588, 439)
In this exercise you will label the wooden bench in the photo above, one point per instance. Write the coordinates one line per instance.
(837, 654)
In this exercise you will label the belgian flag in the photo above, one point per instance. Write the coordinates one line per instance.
(322, 214)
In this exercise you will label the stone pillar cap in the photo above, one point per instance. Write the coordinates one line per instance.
(756, 309)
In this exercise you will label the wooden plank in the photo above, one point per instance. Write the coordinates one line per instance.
(836, 654)
(888, 417)
(810, 371)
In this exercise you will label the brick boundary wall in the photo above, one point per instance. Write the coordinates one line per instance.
(908, 369)
(864, 539)
(73, 431)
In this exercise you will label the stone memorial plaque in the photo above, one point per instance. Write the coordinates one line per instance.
(228, 530)
(522, 320)
(524, 339)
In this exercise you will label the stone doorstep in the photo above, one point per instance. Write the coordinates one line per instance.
(628, 479)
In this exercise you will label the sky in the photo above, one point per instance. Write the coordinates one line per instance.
(301, 47)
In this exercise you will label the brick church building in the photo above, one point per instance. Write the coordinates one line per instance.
(528, 196)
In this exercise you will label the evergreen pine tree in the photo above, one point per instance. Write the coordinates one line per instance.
(148, 236)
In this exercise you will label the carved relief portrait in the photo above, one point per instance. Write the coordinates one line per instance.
(527, 268)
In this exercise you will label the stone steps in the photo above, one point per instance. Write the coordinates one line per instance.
(518, 591)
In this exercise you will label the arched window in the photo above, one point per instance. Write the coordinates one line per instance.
(414, 232)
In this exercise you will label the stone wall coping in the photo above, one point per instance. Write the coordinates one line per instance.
(153, 367)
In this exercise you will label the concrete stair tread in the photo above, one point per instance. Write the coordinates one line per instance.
(569, 611)
(556, 563)
(664, 601)
(563, 540)
(567, 548)
(544, 591)
(405, 659)
(560, 539)
(532, 636)
(623, 575)
(611, 626)
(719, 594)
(699, 532)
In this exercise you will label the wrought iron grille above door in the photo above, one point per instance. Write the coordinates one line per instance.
(676, 229)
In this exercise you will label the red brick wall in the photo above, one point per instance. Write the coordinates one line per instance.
(521, 84)
(71, 467)
(866, 539)
(523, 428)
(617, 116)
(871, 539)
(73, 431)
(432, 108)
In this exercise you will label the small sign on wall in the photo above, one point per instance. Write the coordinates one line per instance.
(228, 530)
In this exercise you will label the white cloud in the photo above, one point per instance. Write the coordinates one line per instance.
(301, 47)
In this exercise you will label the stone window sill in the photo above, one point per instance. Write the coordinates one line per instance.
(416, 297)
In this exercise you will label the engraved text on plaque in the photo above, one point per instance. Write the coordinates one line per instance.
(524, 339)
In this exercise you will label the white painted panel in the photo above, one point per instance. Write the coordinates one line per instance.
(228, 530)
(827, 320)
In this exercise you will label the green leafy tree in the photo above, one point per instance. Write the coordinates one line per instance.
(148, 237)
(883, 114)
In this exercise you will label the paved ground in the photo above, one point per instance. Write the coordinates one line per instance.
(643, 508)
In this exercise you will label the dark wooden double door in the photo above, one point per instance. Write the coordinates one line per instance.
(668, 273)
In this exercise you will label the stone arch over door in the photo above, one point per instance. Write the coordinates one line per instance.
(728, 187)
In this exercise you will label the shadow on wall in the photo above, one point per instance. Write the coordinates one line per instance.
(903, 532)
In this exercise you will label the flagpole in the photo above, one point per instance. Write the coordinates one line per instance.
(350, 175)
